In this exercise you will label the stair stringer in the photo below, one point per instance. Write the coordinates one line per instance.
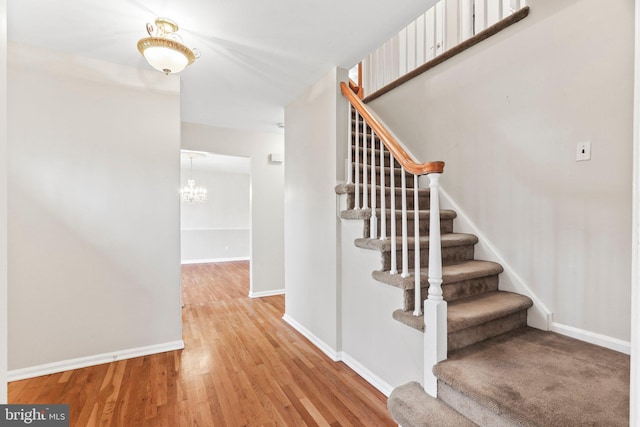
(380, 349)
(539, 316)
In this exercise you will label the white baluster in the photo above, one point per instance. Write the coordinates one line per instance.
(357, 165)
(480, 13)
(417, 311)
(466, 19)
(394, 243)
(430, 44)
(365, 178)
(373, 220)
(405, 243)
(383, 198)
(420, 32)
(435, 308)
(350, 147)
(493, 12)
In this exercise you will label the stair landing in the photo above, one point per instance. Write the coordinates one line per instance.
(529, 377)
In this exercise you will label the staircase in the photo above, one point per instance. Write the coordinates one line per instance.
(477, 309)
(499, 372)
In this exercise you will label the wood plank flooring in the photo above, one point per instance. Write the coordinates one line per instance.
(242, 366)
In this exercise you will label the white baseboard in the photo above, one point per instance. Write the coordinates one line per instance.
(539, 316)
(592, 337)
(266, 293)
(323, 346)
(382, 386)
(98, 359)
(210, 260)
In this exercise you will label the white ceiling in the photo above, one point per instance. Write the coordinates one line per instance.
(257, 55)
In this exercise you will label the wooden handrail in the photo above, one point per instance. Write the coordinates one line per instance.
(358, 90)
(388, 140)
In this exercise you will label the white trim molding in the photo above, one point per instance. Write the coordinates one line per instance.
(98, 359)
(266, 293)
(323, 346)
(213, 260)
(592, 337)
(216, 229)
(338, 356)
(634, 390)
(538, 316)
(382, 386)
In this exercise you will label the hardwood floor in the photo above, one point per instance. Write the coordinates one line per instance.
(242, 366)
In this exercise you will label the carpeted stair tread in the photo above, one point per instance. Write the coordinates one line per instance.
(467, 270)
(477, 312)
(529, 377)
(423, 214)
(468, 312)
(407, 317)
(447, 240)
(410, 406)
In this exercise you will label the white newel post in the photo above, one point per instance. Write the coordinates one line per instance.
(435, 308)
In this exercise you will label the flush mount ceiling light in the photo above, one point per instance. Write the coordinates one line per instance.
(163, 49)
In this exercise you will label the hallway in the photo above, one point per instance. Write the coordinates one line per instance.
(241, 366)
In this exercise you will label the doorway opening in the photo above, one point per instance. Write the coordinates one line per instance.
(217, 229)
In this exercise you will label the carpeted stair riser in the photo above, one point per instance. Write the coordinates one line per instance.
(469, 336)
(446, 224)
(454, 291)
(456, 248)
(471, 409)
(446, 221)
(349, 190)
(410, 406)
(457, 273)
(361, 138)
(424, 216)
(474, 319)
(466, 337)
(450, 255)
(360, 152)
(387, 155)
(387, 173)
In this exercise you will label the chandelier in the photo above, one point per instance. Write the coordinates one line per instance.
(190, 193)
(163, 49)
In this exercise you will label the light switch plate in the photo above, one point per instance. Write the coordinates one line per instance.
(583, 151)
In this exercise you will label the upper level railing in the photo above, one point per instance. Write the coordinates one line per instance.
(448, 24)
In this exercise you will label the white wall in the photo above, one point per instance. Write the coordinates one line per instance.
(218, 229)
(267, 189)
(382, 350)
(3, 201)
(506, 116)
(314, 151)
(94, 263)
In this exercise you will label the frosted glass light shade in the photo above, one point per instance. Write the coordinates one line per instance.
(165, 59)
(168, 56)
